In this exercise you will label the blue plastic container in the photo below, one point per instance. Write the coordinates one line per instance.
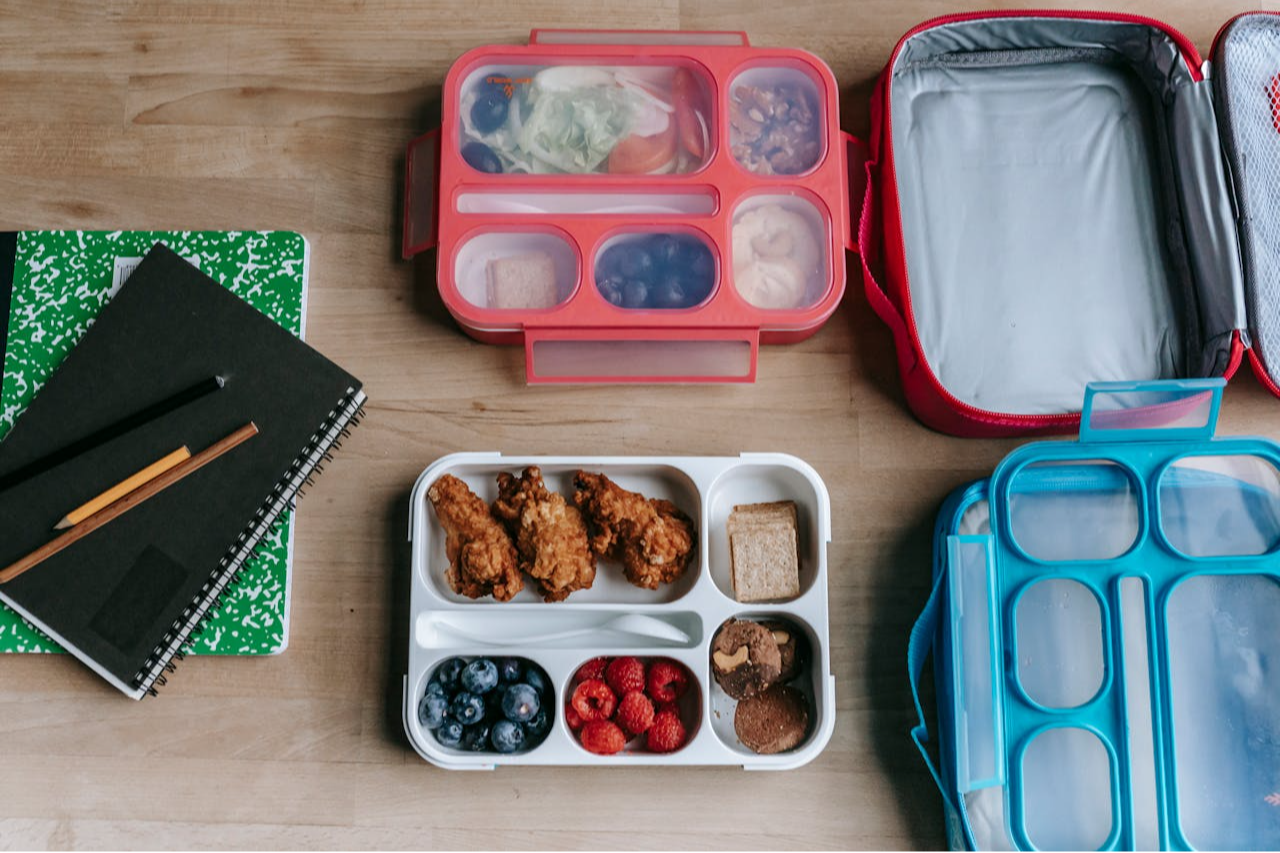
(1105, 627)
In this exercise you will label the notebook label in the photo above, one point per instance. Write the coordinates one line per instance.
(143, 594)
(124, 268)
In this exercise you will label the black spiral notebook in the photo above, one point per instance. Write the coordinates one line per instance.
(127, 597)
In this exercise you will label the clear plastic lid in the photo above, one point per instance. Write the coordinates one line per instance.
(586, 119)
(1065, 510)
(664, 270)
(1059, 643)
(1067, 780)
(1224, 652)
(776, 120)
(516, 270)
(780, 255)
(1221, 506)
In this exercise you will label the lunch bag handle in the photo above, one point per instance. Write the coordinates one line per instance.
(919, 649)
(864, 239)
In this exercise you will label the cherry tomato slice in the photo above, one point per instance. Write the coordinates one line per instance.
(640, 155)
(685, 97)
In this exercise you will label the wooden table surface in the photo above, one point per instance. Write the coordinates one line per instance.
(293, 114)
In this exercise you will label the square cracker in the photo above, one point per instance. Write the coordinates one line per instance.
(764, 551)
(777, 511)
(522, 281)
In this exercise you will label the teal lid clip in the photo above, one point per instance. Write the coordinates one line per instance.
(1164, 410)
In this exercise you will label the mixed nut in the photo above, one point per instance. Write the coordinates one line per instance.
(775, 130)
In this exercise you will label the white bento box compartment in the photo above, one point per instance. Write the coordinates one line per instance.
(687, 613)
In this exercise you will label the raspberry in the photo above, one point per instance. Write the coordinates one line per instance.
(593, 700)
(571, 717)
(635, 713)
(667, 732)
(592, 669)
(667, 681)
(602, 737)
(625, 675)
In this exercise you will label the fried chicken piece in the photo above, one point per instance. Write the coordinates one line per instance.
(550, 535)
(482, 560)
(651, 537)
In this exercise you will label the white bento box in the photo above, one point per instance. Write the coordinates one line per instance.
(684, 615)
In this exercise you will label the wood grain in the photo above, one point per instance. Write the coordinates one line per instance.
(293, 114)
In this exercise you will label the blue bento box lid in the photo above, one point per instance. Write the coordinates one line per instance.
(1103, 628)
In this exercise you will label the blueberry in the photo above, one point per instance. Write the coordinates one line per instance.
(520, 703)
(448, 673)
(476, 738)
(670, 293)
(432, 710)
(686, 249)
(635, 261)
(700, 264)
(697, 289)
(510, 670)
(467, 708)
(480, 676)
(435, 688)
(507, 736)
(608, 261)
(537, 728)
(450, 734)
(535, 679)
(493, 705)
(694, 256)
(481, 158)
(489, 112)
(696, 268)
(635, 294)
(611, 289)
(664, 249)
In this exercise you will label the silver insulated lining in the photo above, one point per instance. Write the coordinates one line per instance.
(1064, 211)
(1248, 83)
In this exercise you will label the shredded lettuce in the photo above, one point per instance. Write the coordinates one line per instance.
(568, 120)
(575, 129)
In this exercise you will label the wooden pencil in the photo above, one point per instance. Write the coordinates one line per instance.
(116, 492)
(128, 502)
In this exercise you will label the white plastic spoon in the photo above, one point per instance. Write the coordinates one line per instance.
(637, 624)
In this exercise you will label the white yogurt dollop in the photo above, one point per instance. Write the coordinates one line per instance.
(776, 257)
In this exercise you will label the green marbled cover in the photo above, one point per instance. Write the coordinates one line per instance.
(61, 281)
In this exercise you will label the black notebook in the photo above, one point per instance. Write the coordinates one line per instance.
(127, 597)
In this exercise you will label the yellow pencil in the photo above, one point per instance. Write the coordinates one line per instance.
(115, 493)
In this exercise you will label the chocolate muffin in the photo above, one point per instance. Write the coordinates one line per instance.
(775, 721)
(792, 647)
(744, 658)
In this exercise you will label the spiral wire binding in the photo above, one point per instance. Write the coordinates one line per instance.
(337, 426)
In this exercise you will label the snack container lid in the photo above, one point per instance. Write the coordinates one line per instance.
(584, 325)
(1102, 617)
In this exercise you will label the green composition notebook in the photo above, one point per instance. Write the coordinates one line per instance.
(60, 281)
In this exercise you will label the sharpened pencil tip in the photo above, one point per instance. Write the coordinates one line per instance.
(222, 383)
(62, 525)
